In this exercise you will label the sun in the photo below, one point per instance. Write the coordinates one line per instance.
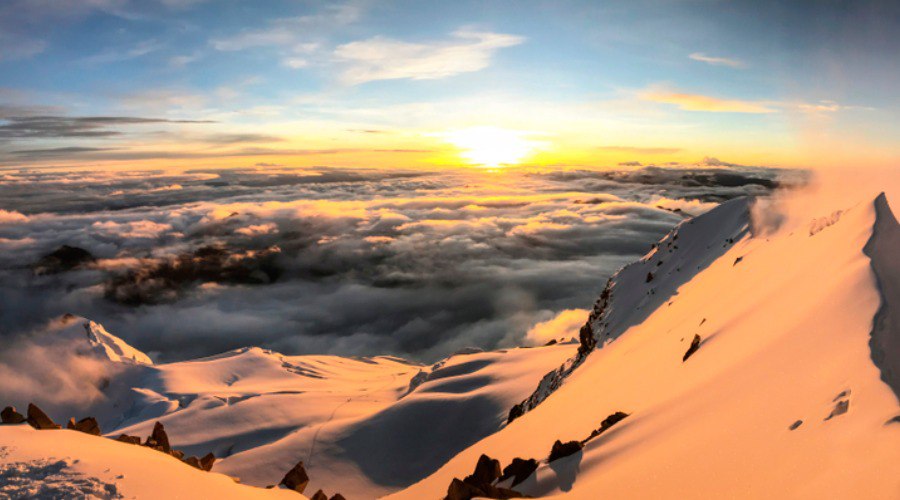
(491, 147)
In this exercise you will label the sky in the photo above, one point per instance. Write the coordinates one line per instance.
(411, 178)
(180, 84)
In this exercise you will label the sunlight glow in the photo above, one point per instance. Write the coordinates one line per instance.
(490, 146)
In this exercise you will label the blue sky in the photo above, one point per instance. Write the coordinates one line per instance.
(755, 81)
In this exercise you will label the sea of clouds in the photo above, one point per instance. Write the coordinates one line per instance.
(342, 261)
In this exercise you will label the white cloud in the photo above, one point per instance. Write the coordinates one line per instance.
(382, 58)
(291, 32)
(717, 61)
(295, 62)
(564, 325)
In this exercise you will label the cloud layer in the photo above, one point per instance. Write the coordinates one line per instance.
(340, 261)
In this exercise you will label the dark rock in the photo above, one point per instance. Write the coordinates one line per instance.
(649, 277)
(87, 425)
(586, 339)
(607, 422)
(158, 439)
(9, 415)
(695, 344)
(795, 425)
(71, 423)
(38, 419)
(519, 470)
(193, 462)
(459, 490)
(64, 258)
(177, 454)
(125, 438)
(561, 449)
(550, 342)
(737, 261)
(337, 496)
(515, 412)
(319, 495)
(839, 409)
(487, 470)
(207, 461)
(296, 479)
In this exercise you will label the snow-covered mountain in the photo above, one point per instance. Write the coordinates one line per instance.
(363, 426)
(785, 395)
(748, 365)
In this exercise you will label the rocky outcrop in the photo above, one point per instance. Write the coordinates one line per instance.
(319, 495)
(607, 422)
(9, 415)
(695, 344)
(562, 450)
(207, 461)
(88, 425)
(38, 419)
(158, 439)
(519, 470)
(125, 438)
(296, 479)
(481, 483)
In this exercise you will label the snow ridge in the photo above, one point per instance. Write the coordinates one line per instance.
(882, 250)
(639, 288)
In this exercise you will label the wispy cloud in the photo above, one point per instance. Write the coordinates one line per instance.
(718, 61)
(381, 58)
(116, 55)
(19, 47)
(639, 150)
(32, 127)
(700, 102)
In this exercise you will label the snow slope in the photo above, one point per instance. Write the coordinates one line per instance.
(362, 426)
(71, 464)
(641, 287)
(785, 322)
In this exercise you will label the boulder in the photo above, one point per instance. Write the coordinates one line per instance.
(177, 454)
(695, 344)
(158, 439)
(487, 470)
(71, 423)
(319, 495)
(125, 438)
(459, 490)
(207, 461)
(515, 412)
(337, 496)
(9, 415)
(561, 449)
(296, 479)
(38, 419)
(88, 425)
(519, 470)
(606, 423)
(193, 462)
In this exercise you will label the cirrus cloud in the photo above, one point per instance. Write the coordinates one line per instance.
(382, 58)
